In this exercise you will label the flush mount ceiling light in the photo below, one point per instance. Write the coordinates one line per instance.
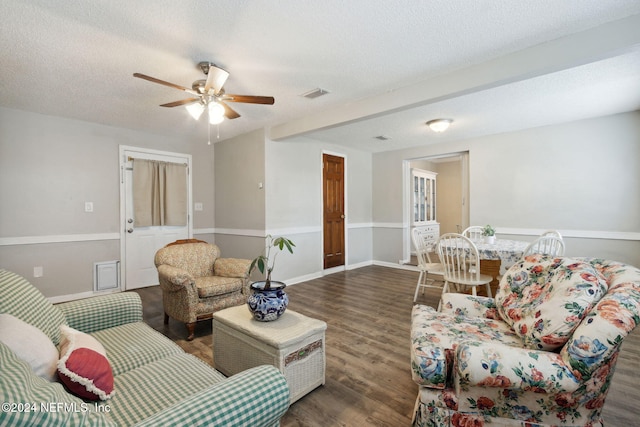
(439, 125)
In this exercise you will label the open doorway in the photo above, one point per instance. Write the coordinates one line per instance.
(451, 200)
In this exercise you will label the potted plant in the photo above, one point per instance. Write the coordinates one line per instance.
(489, 234)
(268, 300)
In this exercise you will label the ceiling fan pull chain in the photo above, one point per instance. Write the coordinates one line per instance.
(218, 126)
(209, 127)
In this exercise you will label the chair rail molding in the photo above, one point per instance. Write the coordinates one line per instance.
(578, 234)
(90, 237)
(60, 238)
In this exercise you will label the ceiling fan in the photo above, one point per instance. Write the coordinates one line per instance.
(209, 94)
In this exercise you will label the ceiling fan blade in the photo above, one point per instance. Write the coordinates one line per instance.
(229, 112)
(249, 99)
(179, 103)
(216, 78)
(162, 82)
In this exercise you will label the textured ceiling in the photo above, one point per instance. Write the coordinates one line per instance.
(76, 58)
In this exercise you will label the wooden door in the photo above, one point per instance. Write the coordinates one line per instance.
(333, 204)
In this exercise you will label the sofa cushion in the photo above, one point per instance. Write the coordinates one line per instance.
(231, 267)
(30, 344)
(83, 366)
(212, 286)
(155, 386)
(132, 345)
(435, 335)
(53, 405)
(21, 299)
(545, 298)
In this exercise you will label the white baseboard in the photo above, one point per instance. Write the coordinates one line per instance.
(304, 278)
(359, 265)
(394, 265)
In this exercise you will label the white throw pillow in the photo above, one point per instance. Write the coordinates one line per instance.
(30, 344)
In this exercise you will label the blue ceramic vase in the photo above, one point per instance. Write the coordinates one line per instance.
(267, 305)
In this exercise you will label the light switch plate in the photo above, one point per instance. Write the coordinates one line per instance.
(88, 206)
(38, 272)
(198, 206)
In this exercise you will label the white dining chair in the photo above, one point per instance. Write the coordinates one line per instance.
(424, 245)
(545, 245)
(555, 233)
(459, 256)
(474, 233)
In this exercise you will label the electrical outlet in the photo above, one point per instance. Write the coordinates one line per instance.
(198, 206)
(38, 271)
(88, 206)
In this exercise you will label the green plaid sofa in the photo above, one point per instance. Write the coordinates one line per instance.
(156, 382)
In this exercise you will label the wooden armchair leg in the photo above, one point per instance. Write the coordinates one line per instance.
(191, 328)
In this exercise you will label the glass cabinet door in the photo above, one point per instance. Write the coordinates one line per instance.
(424, 197)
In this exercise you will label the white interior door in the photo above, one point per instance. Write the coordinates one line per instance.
(139, 244)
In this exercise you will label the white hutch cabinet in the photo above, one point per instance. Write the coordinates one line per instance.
(423, 193)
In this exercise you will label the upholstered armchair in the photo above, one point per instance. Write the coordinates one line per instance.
(542, 353)
(196, 282)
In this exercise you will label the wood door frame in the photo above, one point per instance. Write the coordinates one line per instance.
(346, 204)
(122, 162)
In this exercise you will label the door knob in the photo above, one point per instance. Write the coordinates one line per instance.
(129, 230)
(342, 216)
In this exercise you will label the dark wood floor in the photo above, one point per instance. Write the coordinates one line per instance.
(368, 379)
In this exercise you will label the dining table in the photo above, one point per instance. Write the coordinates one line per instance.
(497, 257)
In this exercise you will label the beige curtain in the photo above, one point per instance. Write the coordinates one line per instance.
(159, 193)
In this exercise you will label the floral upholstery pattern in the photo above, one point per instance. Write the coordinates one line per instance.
(435, 338)
(544, 299)
(196, 282)
(481, 372)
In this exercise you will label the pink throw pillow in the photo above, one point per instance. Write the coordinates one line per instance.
(83, 366)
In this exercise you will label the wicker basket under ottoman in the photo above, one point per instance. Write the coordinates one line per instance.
(294, 344)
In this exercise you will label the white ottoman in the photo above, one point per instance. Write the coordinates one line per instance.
(294, 344)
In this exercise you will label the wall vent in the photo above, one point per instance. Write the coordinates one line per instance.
(106, 276)
(315, 93)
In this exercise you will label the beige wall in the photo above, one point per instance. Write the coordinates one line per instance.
(49, 167)
(239, 168)
(581, 177)
(290, 202)
(449, 195)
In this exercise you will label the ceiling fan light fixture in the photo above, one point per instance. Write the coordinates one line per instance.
(195, 110)
(439, 125)
(216, 113)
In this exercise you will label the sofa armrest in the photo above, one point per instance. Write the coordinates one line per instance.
(173, 279)
(232, 267)
(493, 364)
(102, 312)
(469, 306)
(255, 397)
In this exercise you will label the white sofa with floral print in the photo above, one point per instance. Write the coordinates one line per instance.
(542, 353)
